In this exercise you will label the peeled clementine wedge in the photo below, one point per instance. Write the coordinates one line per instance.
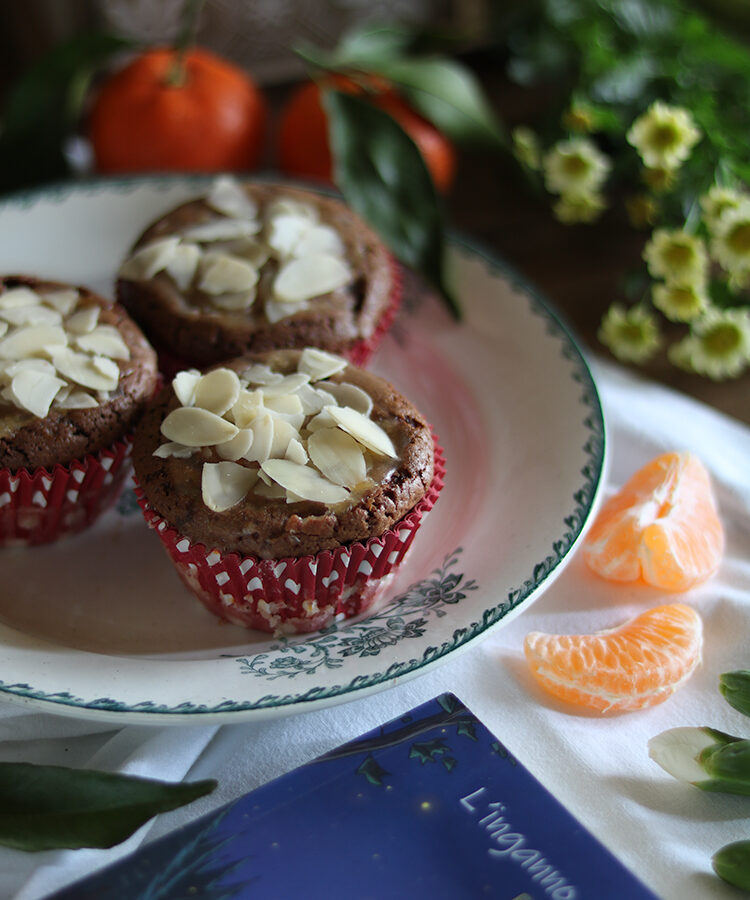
(639, 664)
(662, 527)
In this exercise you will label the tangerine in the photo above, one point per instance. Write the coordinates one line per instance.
(163, 112)
(639, 664)
(303, 148)
(662, 527)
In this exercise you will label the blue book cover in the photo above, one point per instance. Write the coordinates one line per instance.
(428, 805)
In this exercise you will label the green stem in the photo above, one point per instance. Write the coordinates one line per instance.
(191, 15)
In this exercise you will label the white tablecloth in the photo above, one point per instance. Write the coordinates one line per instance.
(597, 766)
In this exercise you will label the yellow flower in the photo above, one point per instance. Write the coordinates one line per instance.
(575, 166)
(680, 302)
(642, 210)
(676, 256)
(660, 180)
(578, 118)
(718, 346)
(526, 147)
(731, 243)
(716, 202)
(664, 135)
(584, 207)
(631, 334)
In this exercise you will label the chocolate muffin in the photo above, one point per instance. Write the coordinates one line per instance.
(75, 375)
(272, 472)
(254, 267)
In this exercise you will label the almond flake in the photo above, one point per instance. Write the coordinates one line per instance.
(150, 260)
(320, 365)
(283, 433)
(221, 230)
(362, 429)
(236, 447)
(296, 452)
(323, 420)
(250, 249)
(269, 491)
(346, 394)
(287, 206)
(195, 427)
(260, 373)
(183, 265)
(263, 430)
(32, 364)
(105, 340)
(304, 481)
(31, 341)
(310, 276)
(224, 274)
(275, 310)
(287, 407)
(217, 391)
(17, 297)
(247, 406)
(234, 302)
(172, 448)
(284, 233)
(224, 484)
(75, 400)
(287, 384)
(313, 400)
(320, 239)
(84, 321)
(31, 315)
(338, 456)
(3, 327)
(64, 301)
(227, 196)
(97, 373)
(184, 384)
(35, 391)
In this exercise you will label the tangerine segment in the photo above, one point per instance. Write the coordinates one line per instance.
(662, 527)
(639, 664)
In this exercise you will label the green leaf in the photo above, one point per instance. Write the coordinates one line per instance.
(735, 688)
(43, 109)
(448, 95)
(732, 863)
(381, 173)
(55, 807)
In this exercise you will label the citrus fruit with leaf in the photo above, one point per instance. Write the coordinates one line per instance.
(168, 110)
(662, 527)
(303, 144)
(636, 665)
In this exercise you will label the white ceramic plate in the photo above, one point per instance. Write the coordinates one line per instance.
(100, 626)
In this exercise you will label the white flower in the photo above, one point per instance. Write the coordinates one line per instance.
(676, 256)
(716, 202)
(731, 243)
(680, 302)
(526, 147)
(664, 135)
(575, 166)
(583, 207)
(631, 334)
(718, 346)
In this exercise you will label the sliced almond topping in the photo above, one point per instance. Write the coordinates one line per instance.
(287, 206)
(251, 249)
(221, 230)
(32, 364)
(217, 391)
(346, 394)
(270, 491)
(362, 429)
(183, 265)
(84, 321)
(3, 327)
(313, 400)
(320, 239)
(338, 456)
(64, 301)
(227, 196)
(288, 406)
(75, 399)
(105, 340)
(283, 432)
(310, 276)
(224, 484)
(32, 341)
(320, 365)
(195, 427)
(238, 446)
(184, 384)
(247, 406)
(260, 373)
(35, 391)
(172, 448)
(150, 260)
(285, 231)
(97, 373)
(296, 452)
(224, 274)
(31, 315)
(275, 310)
(323, 420)
(17, 297)
(234, 302)
(263, 429)
(288, 384)
(304, 481)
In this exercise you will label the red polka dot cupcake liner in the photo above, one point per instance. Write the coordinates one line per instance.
(44, 505)
(294, 594)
